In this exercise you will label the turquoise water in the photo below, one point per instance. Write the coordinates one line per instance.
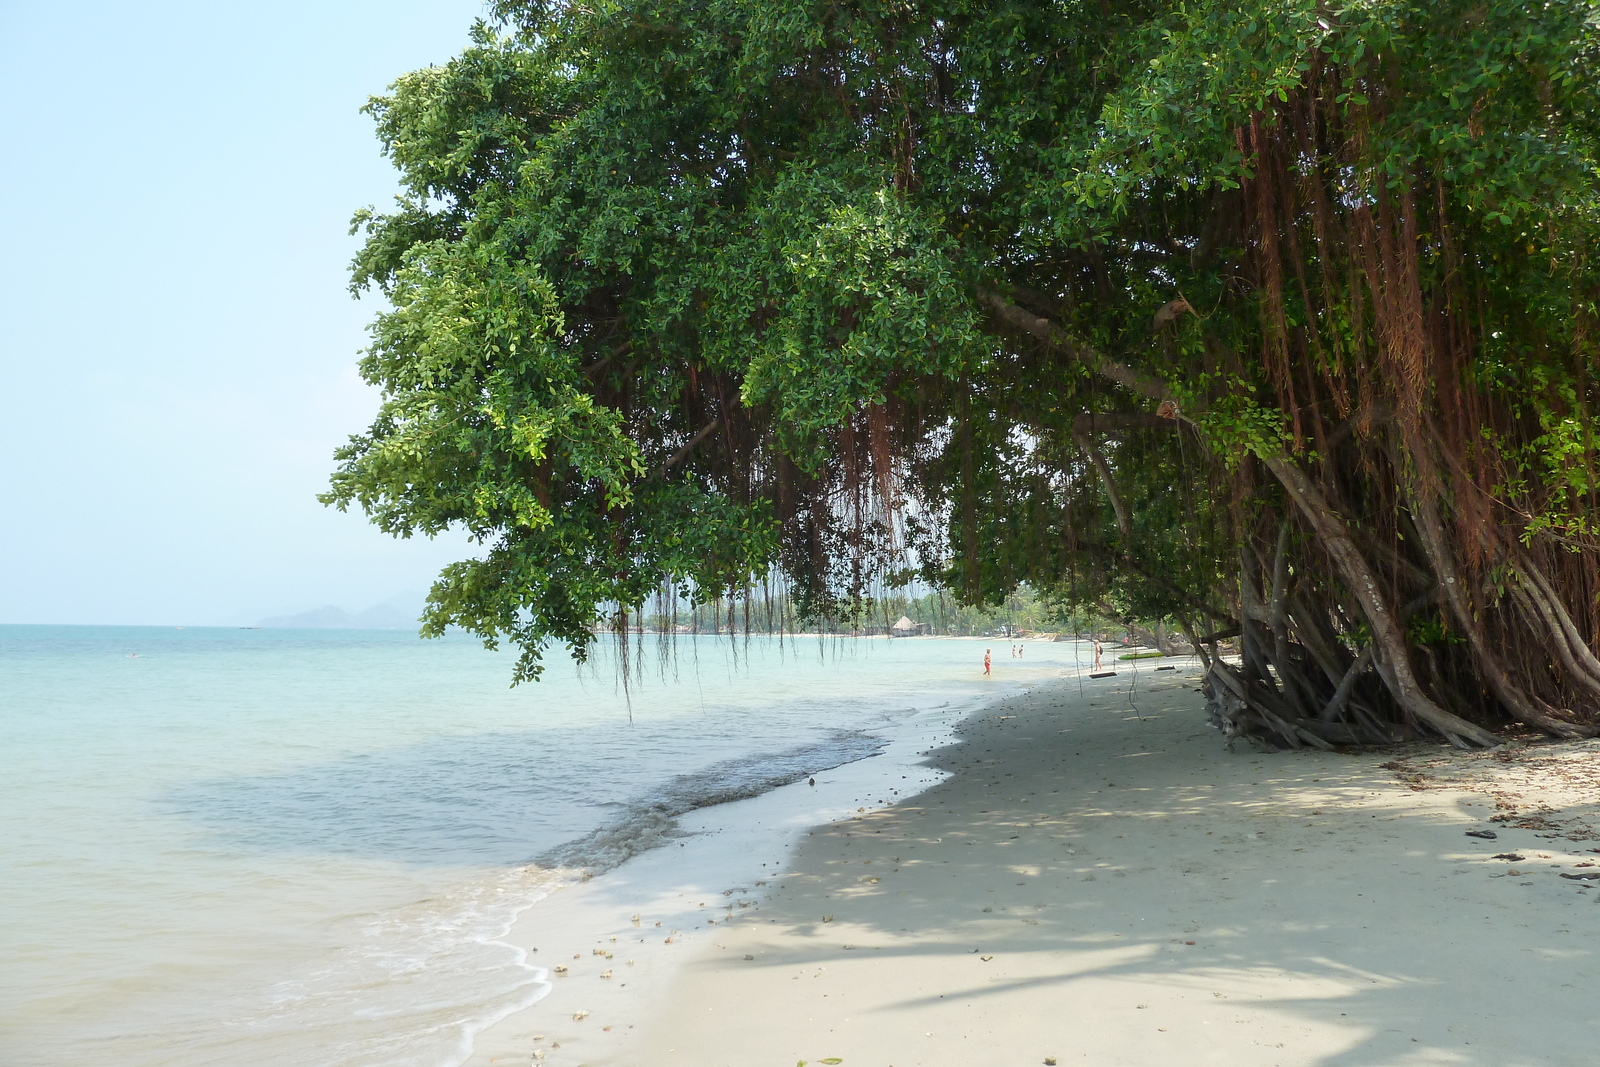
(300, 847)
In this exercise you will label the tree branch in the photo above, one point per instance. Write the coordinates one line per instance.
(1124, 525)
(1021, 321)
(1089, 423)
(1108, 422)
(689, 446)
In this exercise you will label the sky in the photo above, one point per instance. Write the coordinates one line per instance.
(178, 345)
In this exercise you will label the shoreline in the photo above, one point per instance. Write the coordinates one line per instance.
(1146, 897)
(328, 864)
(719, 864)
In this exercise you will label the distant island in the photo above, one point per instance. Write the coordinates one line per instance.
(386, 616)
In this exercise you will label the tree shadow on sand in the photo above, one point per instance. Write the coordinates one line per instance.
(1129, 873)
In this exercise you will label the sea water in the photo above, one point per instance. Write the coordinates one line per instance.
(302, 846)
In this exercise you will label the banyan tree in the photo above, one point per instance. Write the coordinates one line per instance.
(1273, 320)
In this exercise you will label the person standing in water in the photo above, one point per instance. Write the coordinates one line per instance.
(986, 662)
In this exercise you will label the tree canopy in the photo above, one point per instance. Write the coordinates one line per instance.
(1272, 318)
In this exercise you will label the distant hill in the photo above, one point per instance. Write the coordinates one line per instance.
(387, 616)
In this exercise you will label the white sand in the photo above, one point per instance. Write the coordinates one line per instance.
(683, 894)
(1100, 882)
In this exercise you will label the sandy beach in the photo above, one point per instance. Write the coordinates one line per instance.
(1097, 880)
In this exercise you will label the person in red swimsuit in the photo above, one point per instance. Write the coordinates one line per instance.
(986, 662)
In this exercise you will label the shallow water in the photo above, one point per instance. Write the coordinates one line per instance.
(300, 847)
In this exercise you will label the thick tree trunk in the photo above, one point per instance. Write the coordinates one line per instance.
(1569, 646)
(1391, 654)
(1520, 705)
(1264, 693)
